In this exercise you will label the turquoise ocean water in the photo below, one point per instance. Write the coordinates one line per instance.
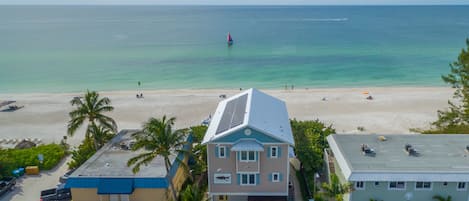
(73, 48)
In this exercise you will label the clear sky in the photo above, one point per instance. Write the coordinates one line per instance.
(242, 2)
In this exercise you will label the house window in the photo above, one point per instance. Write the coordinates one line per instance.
(222, 198)
(248, 179)
(376, 183)
(222, 152)
(445, 183)
(274, 152)
(275, 177)
(359, 185)
(423, 185)
(461, 186)
(397, 185)
(247, 156)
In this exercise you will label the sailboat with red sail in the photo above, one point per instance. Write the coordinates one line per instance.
(229, 39)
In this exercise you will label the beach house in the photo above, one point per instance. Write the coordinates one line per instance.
(401, 167)
(106, 177)
(248, 143)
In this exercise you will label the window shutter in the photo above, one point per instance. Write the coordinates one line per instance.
(280, 177)
(216, 152)
(239, 179)
(270, 177)
(279, 151)
(257, 156)
(238, 154)
(227, 152)
(268, 152)
(258, 181)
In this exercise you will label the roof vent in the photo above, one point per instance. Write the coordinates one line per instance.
(382, 138)
(366, 150)
(410, 150)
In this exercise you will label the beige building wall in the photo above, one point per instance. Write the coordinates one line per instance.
(140, 194)
(267, 166)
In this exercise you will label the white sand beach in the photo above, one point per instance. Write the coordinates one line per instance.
(45, 116)
(393, 110)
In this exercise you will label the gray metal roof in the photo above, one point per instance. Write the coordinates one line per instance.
(252, 109)
(437, 155)
(233, 115)
(111, 161)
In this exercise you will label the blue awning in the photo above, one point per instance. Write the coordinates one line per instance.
(247, 145)
(116, 186)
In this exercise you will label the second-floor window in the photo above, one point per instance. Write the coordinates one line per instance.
(359, 185)
(247, 156)
(423, 185)
(461, 186)
(248, 179)
(222, 152)
(275, 177)
(273, 151)
(397, 185)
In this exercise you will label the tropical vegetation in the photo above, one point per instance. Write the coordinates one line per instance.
(310, 142)
(441, 198)
(11, 159)
(336, 190)
(455, 119)
(192, 193)
(159, 139)
(82, 153)
(91, 109)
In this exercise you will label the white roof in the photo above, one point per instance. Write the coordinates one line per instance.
(261, 112)
(440, 157)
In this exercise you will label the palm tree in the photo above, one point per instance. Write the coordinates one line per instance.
(441, 198)
(100, 135)
(335, 189)
(91, 109)
(158, 137)
(192, 193)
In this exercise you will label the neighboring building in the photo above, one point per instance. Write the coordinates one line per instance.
(248, 143)
(106, 176)
(401, 167)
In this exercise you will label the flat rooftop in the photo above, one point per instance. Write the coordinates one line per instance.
(441, 153)
(111, 160)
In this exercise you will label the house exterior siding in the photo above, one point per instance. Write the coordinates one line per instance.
(248, 141)
(91, 194)
(381, 192)
(267, 166)
(441, 163)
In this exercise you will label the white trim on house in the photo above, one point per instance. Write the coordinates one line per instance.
(271, 151)
(252, 194)
(248, 177)
(219, 151)
(343, 165)
(423, 186)
(359, 185)
(275, 174)
(461, 189)
(396, 188)
(409, 176)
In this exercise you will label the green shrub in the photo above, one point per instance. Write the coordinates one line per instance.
(83, 153)
(11, 159)
(310, 141)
